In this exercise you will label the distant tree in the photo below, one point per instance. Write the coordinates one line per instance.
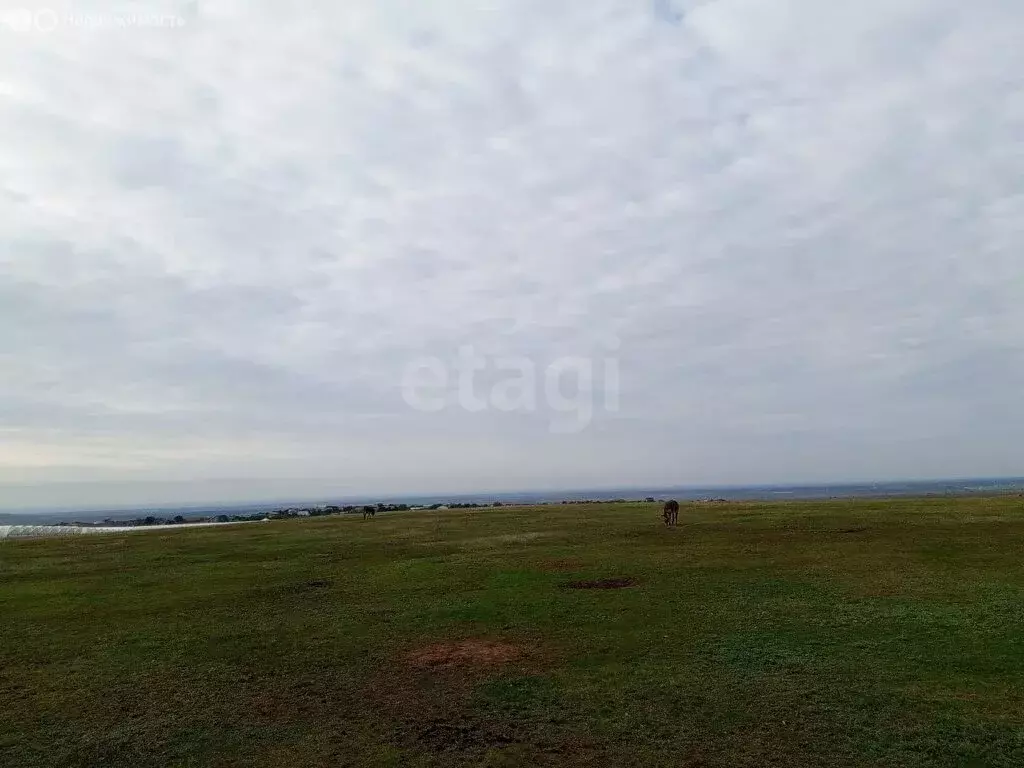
(649, 499)
(222, 519)
(149, 520)
(498, 504)
(179, 519)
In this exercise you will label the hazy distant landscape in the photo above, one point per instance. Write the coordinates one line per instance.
(956, 486)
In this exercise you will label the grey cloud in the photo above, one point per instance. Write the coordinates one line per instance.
(800, 223)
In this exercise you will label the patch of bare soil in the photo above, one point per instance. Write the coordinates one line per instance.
(621, 582)
(308, 586)
(429, 699)
(503, 743)
(463, 736)
(465, 653)
(853, 530)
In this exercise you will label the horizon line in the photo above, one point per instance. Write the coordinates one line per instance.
(348, 496)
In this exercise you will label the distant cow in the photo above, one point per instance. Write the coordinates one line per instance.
(671, 512)
(369, 511)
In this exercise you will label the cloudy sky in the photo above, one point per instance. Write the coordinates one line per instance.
(786, 236)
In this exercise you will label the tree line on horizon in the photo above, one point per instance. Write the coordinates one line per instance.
(331, 509)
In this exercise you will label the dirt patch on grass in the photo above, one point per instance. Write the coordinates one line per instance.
(853, 530)
(309, 586)
(432, 695)
(465, 653)
(503, 743)
(621, 582)
(277, 592)
(463, 736)
(506, 540)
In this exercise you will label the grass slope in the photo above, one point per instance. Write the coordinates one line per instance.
(841, 633)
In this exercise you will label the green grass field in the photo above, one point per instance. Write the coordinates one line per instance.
(841, 633)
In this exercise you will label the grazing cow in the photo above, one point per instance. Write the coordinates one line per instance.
(671, 512)
(369, 511)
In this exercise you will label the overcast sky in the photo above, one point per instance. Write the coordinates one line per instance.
(788, 235)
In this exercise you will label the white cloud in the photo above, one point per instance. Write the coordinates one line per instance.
(221, 244)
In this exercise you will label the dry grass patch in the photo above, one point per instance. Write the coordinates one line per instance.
(465, 653)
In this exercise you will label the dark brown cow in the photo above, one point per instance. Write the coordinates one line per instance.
(671, 512)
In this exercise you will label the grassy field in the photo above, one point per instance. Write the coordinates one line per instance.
(841, 633)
